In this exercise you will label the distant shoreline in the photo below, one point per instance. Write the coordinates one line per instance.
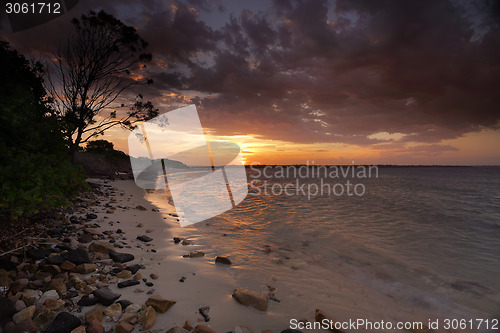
(377, 165)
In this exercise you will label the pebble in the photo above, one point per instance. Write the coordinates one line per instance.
(251, 298)
(121, 257)
(204, 313)
(24, 314)
(124, 327)
(106, 296)
(113, 310)
(148, 318)
(144, 238)
(222, 260)
(125, 274)
(63, 322)
(159, 303)
(196, 254)
(94, 314)
(128, 283)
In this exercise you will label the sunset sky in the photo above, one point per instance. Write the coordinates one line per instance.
(374, 82)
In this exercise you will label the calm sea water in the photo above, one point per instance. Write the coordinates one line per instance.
(430, 235)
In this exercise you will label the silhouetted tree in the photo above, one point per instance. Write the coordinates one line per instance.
(92, 69)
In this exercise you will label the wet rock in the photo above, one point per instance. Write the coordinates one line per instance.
(19, 305)
(177, 329)
(319, 316)
(144, 238)
(139, 207)
(222, 260)
(124, 303)
(94, 232)
(148, 318)
(52, 269)
(187, 325)
(38, 254)
(133, 268)
(100, 246)
(54, 304)
(78, 257)
(204, 313)
(159, 303)
(128, 283)
(42, 318)
(30, 296)
(116, 270)
(124, 327)
(125, 274)
(57, 285)
(105, 296)
(86, 268)
(95, 326)
(67, 266)
(113, 310)
(85, 238)
(88, 300)
(91, 216)
(41, 275)
(182, 279)
(129, 315)
(149, 284)
(177, 240)
(50, 294)
(121, 257)
(94, 314)
(64, 322)
(196, 254)
(251, 298)
(18, 285)
(203, 329)
(24, 314)
(54, 260)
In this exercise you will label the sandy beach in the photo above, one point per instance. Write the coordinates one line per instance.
(210, 284)
(178, 265)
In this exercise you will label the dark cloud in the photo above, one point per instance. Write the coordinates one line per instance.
(417, 68)
(318, 71)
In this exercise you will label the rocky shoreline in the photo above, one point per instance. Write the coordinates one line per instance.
(72, 280)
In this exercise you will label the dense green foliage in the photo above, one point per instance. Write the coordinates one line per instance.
(99, 146)
(35, 164)
(105, 148)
